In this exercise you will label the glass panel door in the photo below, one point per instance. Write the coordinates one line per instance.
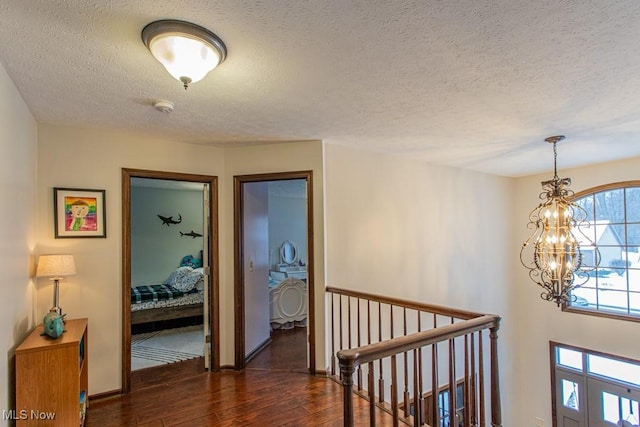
(612, 405)
(570, 399)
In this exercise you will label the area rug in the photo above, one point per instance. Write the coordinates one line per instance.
(167, 346)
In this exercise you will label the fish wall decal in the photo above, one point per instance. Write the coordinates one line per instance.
(192, 234)
(168, 220)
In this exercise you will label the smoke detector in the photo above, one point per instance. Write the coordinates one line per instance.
(164, 106)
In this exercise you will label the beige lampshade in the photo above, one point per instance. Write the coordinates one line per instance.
(55, 266)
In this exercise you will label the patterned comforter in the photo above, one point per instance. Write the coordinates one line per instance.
(146, 293)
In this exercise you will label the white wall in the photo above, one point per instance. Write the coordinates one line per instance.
(408, 229)
(18, 154)
(287, 221)
(540, 321)
(157, 248)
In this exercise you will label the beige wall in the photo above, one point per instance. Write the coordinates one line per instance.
(80, 158)
(411, 230)
(540, 321)
(18, 145)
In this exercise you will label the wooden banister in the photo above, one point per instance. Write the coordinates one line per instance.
(427, 308)
(373, 352)
(406, 400)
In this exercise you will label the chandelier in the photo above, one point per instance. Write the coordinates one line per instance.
(557, 224)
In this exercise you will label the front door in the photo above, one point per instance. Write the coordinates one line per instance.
(571, 410)
(612, 405)
(594, 389)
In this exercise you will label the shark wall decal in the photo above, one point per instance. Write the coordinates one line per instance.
(168, 220)
(192, 234)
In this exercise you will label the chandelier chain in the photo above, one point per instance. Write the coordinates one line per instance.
(555, 161)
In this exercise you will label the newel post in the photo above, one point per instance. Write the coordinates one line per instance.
(347, 369)
(496, 410)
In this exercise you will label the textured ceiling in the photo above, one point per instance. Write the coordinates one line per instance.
(474, 84)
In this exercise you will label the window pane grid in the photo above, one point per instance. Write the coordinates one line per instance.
(613, 285)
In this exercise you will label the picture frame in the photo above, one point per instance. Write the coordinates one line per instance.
(79, 213)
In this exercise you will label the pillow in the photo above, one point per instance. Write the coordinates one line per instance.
(190, 261)
(199, 273)
(176, 278)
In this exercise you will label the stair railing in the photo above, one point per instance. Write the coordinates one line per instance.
(424, 364)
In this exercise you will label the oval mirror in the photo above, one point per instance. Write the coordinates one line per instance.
(288, 252)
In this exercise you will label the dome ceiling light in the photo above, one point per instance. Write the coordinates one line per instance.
(188, 51)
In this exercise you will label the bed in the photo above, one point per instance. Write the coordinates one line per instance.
(180, 296)
(288, 303)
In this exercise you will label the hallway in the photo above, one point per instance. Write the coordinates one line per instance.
(273, 391)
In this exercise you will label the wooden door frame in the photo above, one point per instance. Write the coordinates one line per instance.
(214, 293)
(238, 229)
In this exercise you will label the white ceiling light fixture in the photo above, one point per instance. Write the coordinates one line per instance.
(188, 51)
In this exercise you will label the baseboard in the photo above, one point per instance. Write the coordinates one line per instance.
(105, 395)
(257, 350)
(321, 373)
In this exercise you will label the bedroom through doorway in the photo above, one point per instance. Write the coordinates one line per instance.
(167, 272)
(169, 289)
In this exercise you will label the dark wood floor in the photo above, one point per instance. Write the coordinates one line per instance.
(287, 352)
(274, 390)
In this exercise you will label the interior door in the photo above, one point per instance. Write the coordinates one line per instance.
(256, 266)
(612, 405)
(206, 220)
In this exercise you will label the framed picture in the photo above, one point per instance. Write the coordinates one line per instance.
(79, 213)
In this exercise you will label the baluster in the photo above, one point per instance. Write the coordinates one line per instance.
(483, 415)
(474, 391)
(349, 322)
(466, 387)
(435, 407)
(406, 372)
(417, 413)
(496, 413)
(394, 390)
(380, 379)
(370, 365)
(420, 397)
(333, 336)
(340, 335)
(452, 382)
(372, 394)
(391, 321)
(359, 344)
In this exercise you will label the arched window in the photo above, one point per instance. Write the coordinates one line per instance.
(613, 287)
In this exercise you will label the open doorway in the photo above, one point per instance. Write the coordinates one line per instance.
(274, 266)
(163, 258)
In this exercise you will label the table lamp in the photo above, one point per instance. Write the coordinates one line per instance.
(55, 267)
